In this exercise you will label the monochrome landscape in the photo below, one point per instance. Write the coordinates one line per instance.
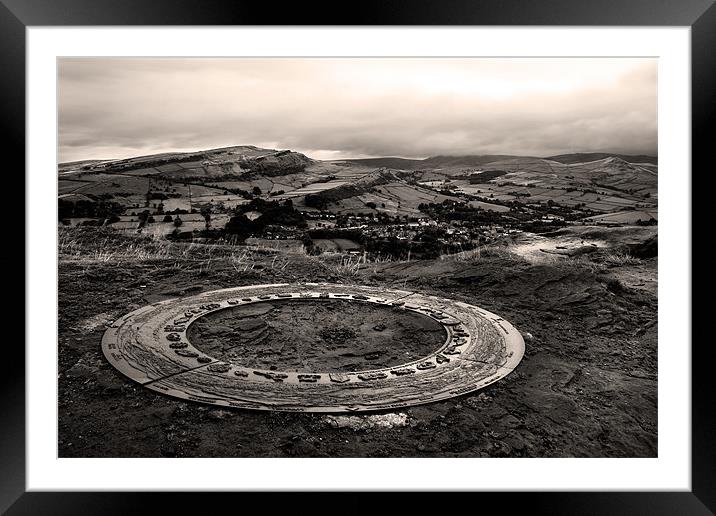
(357, 258)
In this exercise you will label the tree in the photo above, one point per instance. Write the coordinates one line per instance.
(177, 221)
(143, 217)
(206, 213)
(167, 218)
(240, 226)
(316, 201)
(256, 190)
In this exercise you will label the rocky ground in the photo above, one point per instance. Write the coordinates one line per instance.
(587, 386)
(310, 336)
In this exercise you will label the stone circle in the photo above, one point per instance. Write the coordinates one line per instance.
(150, 346)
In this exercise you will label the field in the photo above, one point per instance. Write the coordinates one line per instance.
(336, 244)
(489, 206)
(625, 217)
(605, 185)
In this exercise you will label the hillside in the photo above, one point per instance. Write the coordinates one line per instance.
(586, 387)
(480, 160)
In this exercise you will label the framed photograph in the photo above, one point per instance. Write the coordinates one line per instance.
(425, 248)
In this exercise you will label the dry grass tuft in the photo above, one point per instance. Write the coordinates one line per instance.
(104, 245)
(619, 259)
(480, 253)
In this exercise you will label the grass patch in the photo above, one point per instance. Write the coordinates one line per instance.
(480, 253)
(620, 259)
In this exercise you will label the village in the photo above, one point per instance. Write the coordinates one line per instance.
(168, 210)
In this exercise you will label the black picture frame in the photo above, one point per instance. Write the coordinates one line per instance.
(17, 15)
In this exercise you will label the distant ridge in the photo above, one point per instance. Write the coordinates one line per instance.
(479, 160)
(387, 162)
(581, 157)
(431, 162)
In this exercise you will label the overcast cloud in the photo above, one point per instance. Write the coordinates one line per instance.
(337, 108)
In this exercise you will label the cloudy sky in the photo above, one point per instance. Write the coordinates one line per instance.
(338, 108)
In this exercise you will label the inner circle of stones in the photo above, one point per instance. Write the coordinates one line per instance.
(142, 343)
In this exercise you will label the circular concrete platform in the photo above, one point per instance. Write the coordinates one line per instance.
(151, 347)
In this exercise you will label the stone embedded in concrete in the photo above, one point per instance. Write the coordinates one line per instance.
(402, 371)
(441, 359)
(308, 377)
(219, 368)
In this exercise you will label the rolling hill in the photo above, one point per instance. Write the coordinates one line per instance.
(434, 162)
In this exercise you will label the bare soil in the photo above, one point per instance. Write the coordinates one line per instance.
(587, 386)
(335, 335)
